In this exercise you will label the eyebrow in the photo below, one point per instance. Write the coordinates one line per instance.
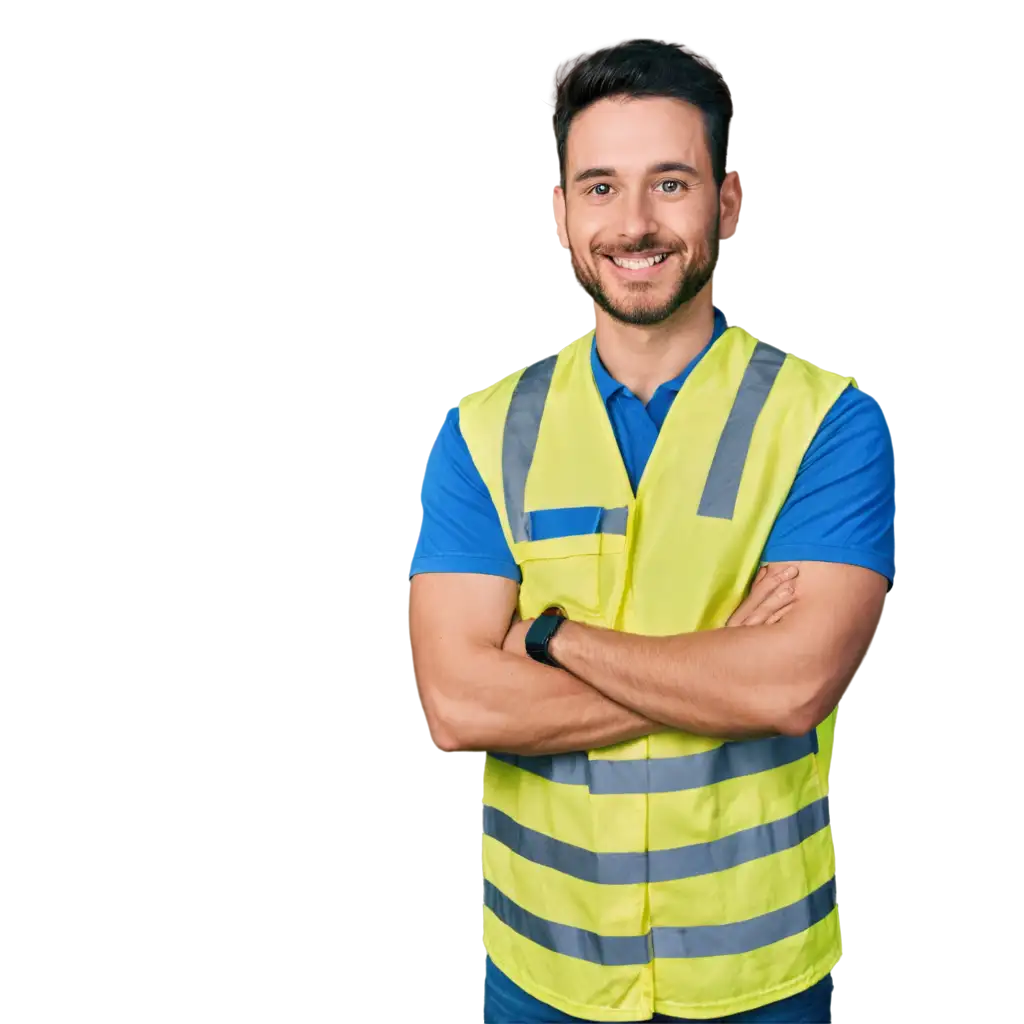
(662, 168)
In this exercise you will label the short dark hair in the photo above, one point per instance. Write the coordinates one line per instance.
(645, 67)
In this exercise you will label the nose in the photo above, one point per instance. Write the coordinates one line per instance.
(638, 216)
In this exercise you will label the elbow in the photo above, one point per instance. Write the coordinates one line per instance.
(449, 737)
(798, 722)
(443, 732)
(458, 719)
(449, 727)
(807, 703)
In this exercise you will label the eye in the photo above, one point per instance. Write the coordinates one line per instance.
(672, 186)
(602, 188)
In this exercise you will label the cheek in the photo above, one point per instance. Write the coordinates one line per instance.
(579, 239)
(585, 229)
(686, 221)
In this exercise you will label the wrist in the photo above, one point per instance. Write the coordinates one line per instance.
(541, 632)
(561, 646)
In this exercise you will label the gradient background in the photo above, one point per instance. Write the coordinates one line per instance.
(251, 254)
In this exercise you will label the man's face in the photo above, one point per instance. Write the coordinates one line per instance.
(640, 211)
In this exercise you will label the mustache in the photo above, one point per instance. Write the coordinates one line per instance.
(646, 244)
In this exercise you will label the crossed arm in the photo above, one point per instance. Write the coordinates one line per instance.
(782, 671)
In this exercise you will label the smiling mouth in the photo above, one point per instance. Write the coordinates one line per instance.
(639, 263)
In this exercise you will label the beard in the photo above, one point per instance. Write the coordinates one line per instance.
(638, 309)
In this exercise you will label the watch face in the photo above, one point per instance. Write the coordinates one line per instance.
(539, 633)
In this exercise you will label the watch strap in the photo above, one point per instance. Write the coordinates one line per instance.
(539, 635)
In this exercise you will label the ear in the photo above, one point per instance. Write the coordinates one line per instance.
(559, 202)
(730, 198)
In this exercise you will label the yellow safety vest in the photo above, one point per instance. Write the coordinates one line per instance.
(679, 874)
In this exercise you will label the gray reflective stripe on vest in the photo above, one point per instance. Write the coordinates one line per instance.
(723, 483)
(657, 865)
(613, 520)
(744, 936)
(522, 425)
(609, 950)
(668, 774)
(519, 441)
(695, 941)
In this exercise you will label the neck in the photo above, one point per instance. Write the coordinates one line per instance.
(642, 357)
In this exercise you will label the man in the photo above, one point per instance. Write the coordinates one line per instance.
(656, 826)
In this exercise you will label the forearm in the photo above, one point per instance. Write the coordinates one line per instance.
(724, 682)
(496, 700)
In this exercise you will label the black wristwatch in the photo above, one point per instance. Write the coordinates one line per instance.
(539, 635)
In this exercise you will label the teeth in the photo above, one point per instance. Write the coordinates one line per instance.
(639, 264)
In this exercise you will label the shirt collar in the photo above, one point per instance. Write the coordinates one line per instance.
(608, 386)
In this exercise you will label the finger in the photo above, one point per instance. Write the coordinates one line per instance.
(775, 579)
(766, 614)
(765, 584)
(779, 598)
(778, 575)
(759, 578)
(780, 614)
(751, 601)
(770, 582)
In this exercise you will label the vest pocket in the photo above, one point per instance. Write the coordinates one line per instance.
(579, 573)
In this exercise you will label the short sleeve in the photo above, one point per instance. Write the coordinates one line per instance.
(842, 505)
(461, 531)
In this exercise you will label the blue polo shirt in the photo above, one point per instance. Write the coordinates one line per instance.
(840, 508)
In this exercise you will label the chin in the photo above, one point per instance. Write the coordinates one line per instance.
(639, 316)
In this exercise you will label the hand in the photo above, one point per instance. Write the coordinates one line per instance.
(771, 597)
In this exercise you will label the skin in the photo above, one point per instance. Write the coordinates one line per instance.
(639, 207)
(786, 668)
(460, 635)
(778, 679)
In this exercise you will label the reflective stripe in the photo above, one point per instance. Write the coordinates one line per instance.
(613, 520)
(522, 425)
(743, 936)
(695, 941)
(610, 950)
(519, 441)
(723, 483)
(668, 774)
(657, 865)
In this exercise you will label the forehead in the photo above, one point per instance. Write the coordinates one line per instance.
(632, 134)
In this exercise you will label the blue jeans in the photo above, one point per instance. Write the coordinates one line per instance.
(506, 1003)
